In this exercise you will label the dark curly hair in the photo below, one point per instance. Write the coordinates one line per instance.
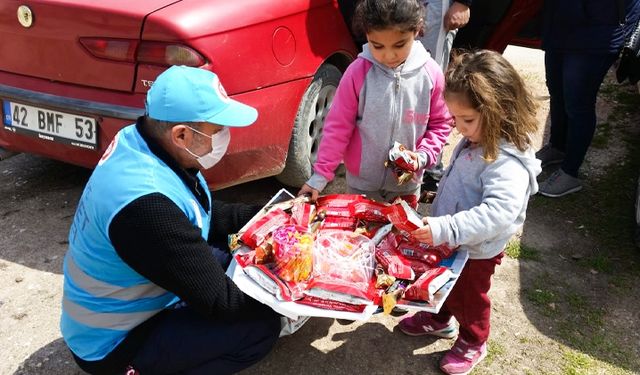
(405, 15)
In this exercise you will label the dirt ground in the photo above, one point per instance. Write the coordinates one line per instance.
(552, 312)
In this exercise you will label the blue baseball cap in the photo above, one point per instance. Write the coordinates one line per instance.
(186, 94)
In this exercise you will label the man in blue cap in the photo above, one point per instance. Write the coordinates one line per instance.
(144, 290)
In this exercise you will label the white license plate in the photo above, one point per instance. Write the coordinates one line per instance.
(75, 130)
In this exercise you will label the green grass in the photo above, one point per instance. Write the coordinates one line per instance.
(495, 350)
(598, 262)
(517, 250)
(602, 136)
(576, 363)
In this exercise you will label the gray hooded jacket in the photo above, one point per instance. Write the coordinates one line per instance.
(480, 205)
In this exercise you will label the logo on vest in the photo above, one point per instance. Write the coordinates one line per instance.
(109, 150)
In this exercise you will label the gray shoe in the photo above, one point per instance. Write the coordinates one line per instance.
(559, 184)
(549, 155)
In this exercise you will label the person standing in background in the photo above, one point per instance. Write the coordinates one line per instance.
(581, 40)
(443, 19)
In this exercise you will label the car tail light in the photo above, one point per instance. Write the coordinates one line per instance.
(168, 54)
(133, 51)
(111, 49)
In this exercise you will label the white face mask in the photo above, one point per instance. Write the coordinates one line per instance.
(219, 143)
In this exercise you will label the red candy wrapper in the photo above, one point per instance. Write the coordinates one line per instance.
(388, 257)
(330, 304)
(400, 156)
(443, 250)
(368, 210)
(344, 223)
(403, 165)
(416, 251)
(262, 228)
(337, 200)
(403, 217)
(302, 213)
(428, 284)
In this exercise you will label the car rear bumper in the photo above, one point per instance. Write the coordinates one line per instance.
(70, 104)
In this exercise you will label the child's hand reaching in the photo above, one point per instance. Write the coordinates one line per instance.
(306, 189)
(423, 234)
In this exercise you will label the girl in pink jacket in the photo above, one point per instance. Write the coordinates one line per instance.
(391, 93)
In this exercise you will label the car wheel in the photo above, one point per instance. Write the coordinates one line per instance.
(307, 129)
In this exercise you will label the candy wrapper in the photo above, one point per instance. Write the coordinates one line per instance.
(303, 213)
(403, 217)
(393, 263)
(416, 251)
(336, 205)
(368, 210)
(383, 280)
(428, 284)
(261, 229)
(342, 267)
(392, 295)
(401, 162)
(293, 253)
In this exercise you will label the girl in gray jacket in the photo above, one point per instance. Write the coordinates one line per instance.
(482, 198)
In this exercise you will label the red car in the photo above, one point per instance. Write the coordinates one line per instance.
(73, 73)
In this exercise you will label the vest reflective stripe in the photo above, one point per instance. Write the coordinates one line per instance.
(101, 289)
(117, 321)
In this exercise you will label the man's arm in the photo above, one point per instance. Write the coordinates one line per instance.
(154, 237)
(229, 218)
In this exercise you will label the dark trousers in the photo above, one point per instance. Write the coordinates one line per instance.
(180, 341)
(573, 80)
(186, 343)
(468, 301)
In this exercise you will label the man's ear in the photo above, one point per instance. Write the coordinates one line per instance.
(181, 136)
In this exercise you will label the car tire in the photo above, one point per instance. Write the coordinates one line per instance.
(307, 128)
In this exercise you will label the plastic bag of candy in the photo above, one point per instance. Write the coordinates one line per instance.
(343, 265)
(293, 249)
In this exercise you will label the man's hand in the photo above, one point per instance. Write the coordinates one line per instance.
(423, 234)
(306, 189)
(457, 16)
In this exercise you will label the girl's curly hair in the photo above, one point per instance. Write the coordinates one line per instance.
(494, 88)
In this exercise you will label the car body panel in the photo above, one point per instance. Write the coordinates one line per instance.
(50, 48)
(496, 23)
(265, 54)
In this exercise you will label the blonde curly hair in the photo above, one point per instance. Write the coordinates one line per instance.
(491, 86)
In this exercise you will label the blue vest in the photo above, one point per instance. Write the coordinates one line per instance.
(103, 298)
